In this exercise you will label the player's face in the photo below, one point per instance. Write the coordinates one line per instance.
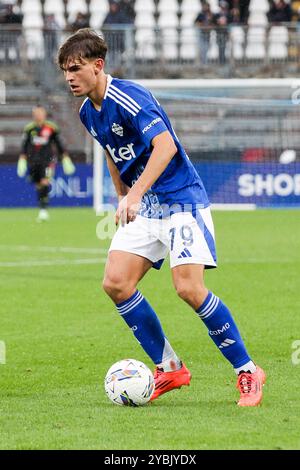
(82, 76)
(39, 115)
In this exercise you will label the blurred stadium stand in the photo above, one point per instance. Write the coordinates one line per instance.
(162, 42)
(162, 39)
(236, 126)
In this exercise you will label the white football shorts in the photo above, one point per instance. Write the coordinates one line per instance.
(188, 238)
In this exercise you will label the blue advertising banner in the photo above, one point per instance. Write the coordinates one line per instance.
(75, 190)
(262, 184)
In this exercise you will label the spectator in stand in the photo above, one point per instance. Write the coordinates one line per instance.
(2, 11)
(204, 21)
(12, 14)
(116, 15)
(51, 29)
(11, 37)
(81, 21)
(244, 10)
(280, 12)
(127, 6)
(222, 21)
(239, 10)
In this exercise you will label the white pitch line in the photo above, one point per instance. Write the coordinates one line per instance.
(53, 249)
(65, 262)
(74, 250)
(258, 261)
(57, 262)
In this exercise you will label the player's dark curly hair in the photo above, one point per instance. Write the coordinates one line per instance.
(84, 44)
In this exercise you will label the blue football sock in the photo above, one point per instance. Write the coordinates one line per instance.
(146, 327)
(223, 330)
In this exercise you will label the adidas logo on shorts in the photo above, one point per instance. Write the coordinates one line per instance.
(185, 254)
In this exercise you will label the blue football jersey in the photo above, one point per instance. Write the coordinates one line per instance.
(130, 117)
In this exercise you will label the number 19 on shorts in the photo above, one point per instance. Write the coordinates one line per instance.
(186, 234)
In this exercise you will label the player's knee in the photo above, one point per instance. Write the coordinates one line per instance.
(116, 288)
(184, 289)
(190, 292)
(109, 286)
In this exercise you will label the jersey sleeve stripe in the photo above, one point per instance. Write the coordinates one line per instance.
(125, 96)
(134, 108)
(122, 104)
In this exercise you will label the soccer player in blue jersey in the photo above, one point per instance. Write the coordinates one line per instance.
(163, 208)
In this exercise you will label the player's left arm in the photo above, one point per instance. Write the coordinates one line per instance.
(56, 139)
(67, 164)
(164, 149)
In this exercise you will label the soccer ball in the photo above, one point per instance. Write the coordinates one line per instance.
(129, 382)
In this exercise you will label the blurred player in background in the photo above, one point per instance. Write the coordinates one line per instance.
(40, 136)
(163, 208)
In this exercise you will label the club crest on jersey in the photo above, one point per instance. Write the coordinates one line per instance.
(123, 153)
(117, 129)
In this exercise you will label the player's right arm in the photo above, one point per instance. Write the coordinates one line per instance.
(120, 187)
(22, 161)
(26, 141)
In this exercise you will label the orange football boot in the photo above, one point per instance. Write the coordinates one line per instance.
(250, 387)
(166, 381)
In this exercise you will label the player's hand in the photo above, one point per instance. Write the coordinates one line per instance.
(68, 165)
(128, 208)
(22, 167)
(50, 171)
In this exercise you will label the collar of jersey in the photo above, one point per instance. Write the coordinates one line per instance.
(109, 80)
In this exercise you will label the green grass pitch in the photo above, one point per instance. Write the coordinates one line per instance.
(62, 334)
